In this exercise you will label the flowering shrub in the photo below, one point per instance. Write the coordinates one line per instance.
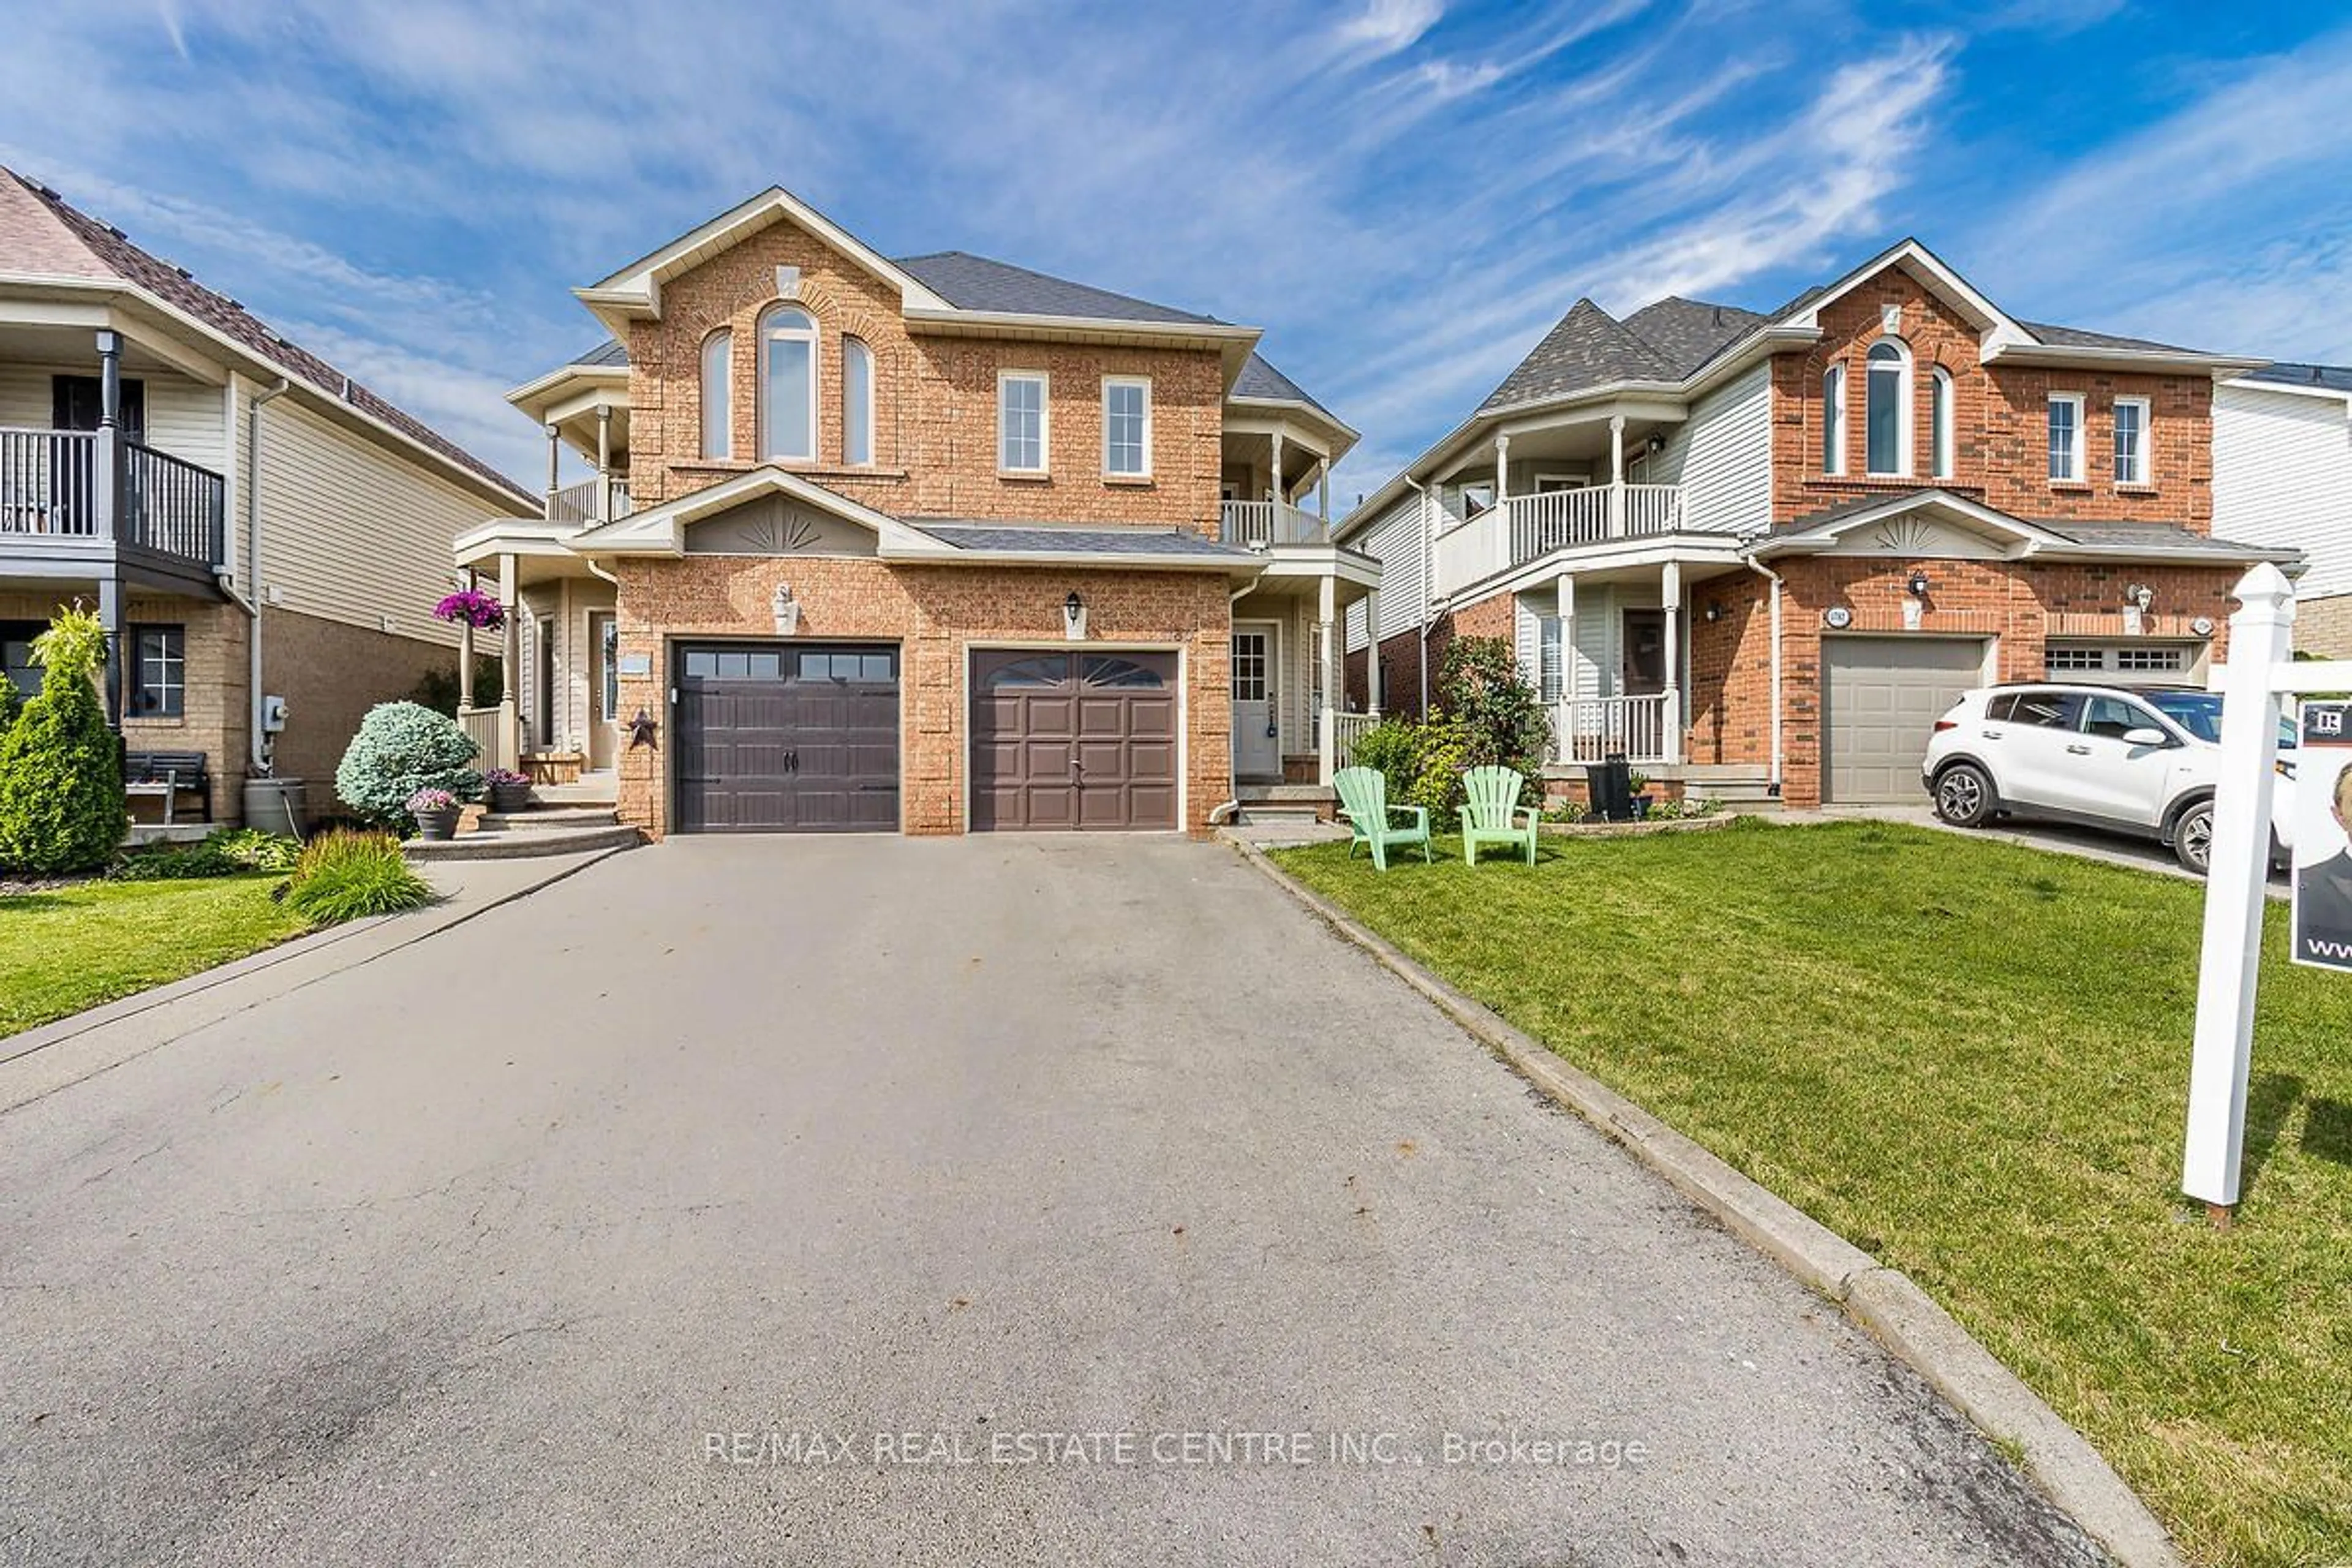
(472, 607)
(425, 800)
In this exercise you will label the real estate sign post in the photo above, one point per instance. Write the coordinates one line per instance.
(2261, 667)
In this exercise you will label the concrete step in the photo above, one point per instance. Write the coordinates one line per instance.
(1284, 811)
(514, 844)
(544, 816)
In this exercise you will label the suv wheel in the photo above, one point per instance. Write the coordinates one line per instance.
(2192, 837)
(1964, 795)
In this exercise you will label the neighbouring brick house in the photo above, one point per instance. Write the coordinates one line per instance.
(1760, 554)
(248, 521)
(923, 545)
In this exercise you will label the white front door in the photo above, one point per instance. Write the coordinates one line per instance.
(1257, 745)
(604, 686)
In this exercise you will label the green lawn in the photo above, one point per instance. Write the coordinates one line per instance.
(62, 952)
(1971, 1059)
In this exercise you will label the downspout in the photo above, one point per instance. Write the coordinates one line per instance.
(1428, 589)
(1774, 578)
(258, 741)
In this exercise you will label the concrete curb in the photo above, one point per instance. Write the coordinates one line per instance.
(430, 921)
(1884, 1301)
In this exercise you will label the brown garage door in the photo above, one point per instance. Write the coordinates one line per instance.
(779, 739)
(1073, 739)
(1884, 696)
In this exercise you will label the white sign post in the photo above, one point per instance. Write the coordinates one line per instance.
(2261, 667)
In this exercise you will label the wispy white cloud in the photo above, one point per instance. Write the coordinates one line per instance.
(1385, 26)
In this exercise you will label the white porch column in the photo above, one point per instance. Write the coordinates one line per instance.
(1617, 476)
(1502, 465)
(1669, 591)
(509, 667)
(1563, 717)
(1372, 653)
(604, 463)
(465, 656)
(1276, 471)
(1334, 677)
(1323, 490)
(554, 470)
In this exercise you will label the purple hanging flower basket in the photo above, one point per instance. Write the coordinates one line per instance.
(473, 608)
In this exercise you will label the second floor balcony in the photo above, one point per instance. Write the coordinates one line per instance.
(1262, 524)
(589, 502)
(70, 493)
(1525, 528)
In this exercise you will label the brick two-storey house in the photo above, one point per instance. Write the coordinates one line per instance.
(924, 544)
(1760, 552)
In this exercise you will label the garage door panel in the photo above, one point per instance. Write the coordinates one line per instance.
(1881, 696)
(1061, 740)
(774, 739)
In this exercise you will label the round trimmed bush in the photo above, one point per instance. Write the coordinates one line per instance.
(62, 807)
(403, 747)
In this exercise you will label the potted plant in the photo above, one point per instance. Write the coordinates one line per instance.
(1637, 783)
(435, 812)
(510, 790)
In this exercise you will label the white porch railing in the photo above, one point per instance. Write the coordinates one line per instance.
(577, 503)
(490, 730)
(1261, 523)
(1347, 729)
(1522, 528)
(1593, 728)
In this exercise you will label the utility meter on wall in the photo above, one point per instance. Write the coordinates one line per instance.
(273, 715)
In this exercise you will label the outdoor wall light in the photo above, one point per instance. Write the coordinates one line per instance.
(1918, 585)
(1074, 617)
(1714, 611)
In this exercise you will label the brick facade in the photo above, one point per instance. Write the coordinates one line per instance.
(1400, 661)
(2323, 626)
(2000, 452)
(2021, 606)
(935, 615)
(935, 402)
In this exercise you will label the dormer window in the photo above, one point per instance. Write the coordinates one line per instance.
(788, 357)
(1887, 409)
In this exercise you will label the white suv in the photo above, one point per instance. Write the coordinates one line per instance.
(2138, 760)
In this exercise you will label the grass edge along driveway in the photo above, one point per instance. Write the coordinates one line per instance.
(1971, 1059)
(73, 947)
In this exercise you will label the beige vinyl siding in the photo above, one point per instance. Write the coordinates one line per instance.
(352, 533)
(1396, 540)
(184, 416)
(2283, 476)
(1722, 457)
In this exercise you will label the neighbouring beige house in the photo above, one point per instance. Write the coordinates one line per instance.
(924, 544)
(265, 538)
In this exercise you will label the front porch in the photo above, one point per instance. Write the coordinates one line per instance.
(556, 716)
(1289, 676)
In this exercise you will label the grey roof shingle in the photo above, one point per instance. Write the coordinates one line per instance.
(607, 353)
(2078, 338)
(1686, 333)
(2152, 539)
(1587, 347)
(112, 251)
(1024, 538)
(2286, 373)
(1259, 378)
(976, 283)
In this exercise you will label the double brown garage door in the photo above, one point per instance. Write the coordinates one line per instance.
(1073, 739)
(787, 739)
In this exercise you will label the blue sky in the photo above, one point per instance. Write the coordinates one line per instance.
(1404, 192)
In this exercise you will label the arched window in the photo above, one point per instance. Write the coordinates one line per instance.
(1833, 420)
(717, 360)
(1887, 409)
(1939, 419)
(856, 402)
(788, 384)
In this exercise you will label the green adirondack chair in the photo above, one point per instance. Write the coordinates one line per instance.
(1364, 801)
(1491, 813)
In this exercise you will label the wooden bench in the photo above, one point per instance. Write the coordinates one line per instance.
(168, 775)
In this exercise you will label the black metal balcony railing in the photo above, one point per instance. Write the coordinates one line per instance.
(52, 483)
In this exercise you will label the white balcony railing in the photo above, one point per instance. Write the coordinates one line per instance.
(1594, 728)
(1522, 528)
(1258, 524)
(576, 504)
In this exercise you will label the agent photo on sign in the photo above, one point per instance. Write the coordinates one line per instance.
(2323, 888)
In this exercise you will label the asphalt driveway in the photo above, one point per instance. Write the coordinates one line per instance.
(875, 1200)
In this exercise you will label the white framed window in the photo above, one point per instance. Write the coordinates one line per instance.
(717, 364)
(2131, 441)
(856, 403)
(2065, 438)
(158, 676)
(1551, 664)
(788, 355)
(1127, 427)
(1886, 408)
(1940, 420)
(1021, 426)
(1833, 420)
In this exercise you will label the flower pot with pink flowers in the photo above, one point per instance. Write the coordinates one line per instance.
(436, 813)
(510, 790)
